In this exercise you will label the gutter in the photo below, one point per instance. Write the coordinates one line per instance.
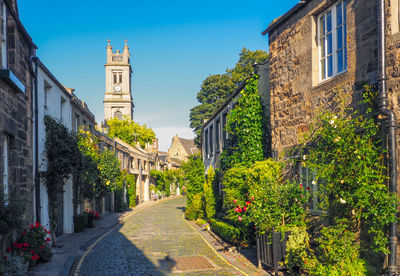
(36, 135)
(391, 131)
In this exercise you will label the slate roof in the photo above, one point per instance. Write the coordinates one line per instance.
(189, 146)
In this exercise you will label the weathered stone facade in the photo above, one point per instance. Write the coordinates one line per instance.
(180, 150)
(297, 92)
(15, 107)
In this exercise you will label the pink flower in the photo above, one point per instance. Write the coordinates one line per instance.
(252, 198)
(245, 208)
(234, 201)
(236, 209)
(301, 196)
(240, 218)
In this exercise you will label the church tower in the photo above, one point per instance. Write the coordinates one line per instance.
(118, 98)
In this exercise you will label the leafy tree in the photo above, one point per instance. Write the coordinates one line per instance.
(216, 89)
(194, 174)
(130, 132)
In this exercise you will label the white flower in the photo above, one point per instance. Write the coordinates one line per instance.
(332, 122)
(341, 200)
(313, 182)
(304, 157)
(335, 117)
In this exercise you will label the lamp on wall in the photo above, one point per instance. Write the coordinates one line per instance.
(105, 127)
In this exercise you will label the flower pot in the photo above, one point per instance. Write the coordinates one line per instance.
(90, 221)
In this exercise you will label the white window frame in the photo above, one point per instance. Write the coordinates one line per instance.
(309, 180)
(62, 108)
(5, 153)
(3, 34)
(323, 76)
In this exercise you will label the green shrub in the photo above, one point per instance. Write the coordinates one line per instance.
(79, 222)
(209, 197)
(297, 248)
(193, 173)
(12, 265)
(337, 253)
(200, 221)
(227, 232)
(195, 209)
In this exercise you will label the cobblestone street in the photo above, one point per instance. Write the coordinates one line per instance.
(153, 242)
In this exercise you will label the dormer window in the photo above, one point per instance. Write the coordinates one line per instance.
(332, 41)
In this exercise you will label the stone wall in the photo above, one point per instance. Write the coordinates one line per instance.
(296, 92)
(16, 112)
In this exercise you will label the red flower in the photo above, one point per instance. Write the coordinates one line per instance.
(31, 226)
(252, 198)
(301, 196)
(41, 247)
(305, 261)
(301, 186)
(247, 202)
(308, 188)
(8, 250)
(240, 218)
(234, 201)
(25, 244)
(48, 232)
(35, 257)
(245, 208)
(37, 224)
(236, 209)
(48, 239)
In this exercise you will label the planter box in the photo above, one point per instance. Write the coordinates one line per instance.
(79, 222)
(271, 249)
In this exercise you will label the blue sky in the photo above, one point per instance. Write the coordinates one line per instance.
(174, 46)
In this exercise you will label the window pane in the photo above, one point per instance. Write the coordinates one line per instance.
(330, 66)
(339, 18)
(329, 21)
(340, 64)
(344, 11)
(322, 43)
(323, 74)
(345, 59)
(322, 26)
(329, 44)
(340, 38)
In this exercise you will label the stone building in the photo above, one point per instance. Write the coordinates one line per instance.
(318, 47)
(180, 150)
(50, 99)
(118, 98)
(16, 81)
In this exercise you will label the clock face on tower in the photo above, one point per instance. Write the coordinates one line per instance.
(117, 88)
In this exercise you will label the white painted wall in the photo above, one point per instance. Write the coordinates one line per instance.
(58, 106)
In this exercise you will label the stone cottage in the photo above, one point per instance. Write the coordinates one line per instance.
(16, 81)
(320, 46)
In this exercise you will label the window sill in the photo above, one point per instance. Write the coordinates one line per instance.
(327, 80)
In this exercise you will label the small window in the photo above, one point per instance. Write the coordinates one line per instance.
(5, 152)
(3, 34)
(211, 139)
(332, 41)
(77, 122)
(62, 109)
(224, 136)
(117, 77)
(47, 88)
(217, 133)
(310, 184)
(206, 142)
(118, 114)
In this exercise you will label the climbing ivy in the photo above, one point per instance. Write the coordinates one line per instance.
(63, 156)
(245, 129)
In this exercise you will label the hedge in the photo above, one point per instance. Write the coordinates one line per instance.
(226, 231)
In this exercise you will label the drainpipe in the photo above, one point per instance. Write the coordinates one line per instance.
(36, 145)
(391, 130)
